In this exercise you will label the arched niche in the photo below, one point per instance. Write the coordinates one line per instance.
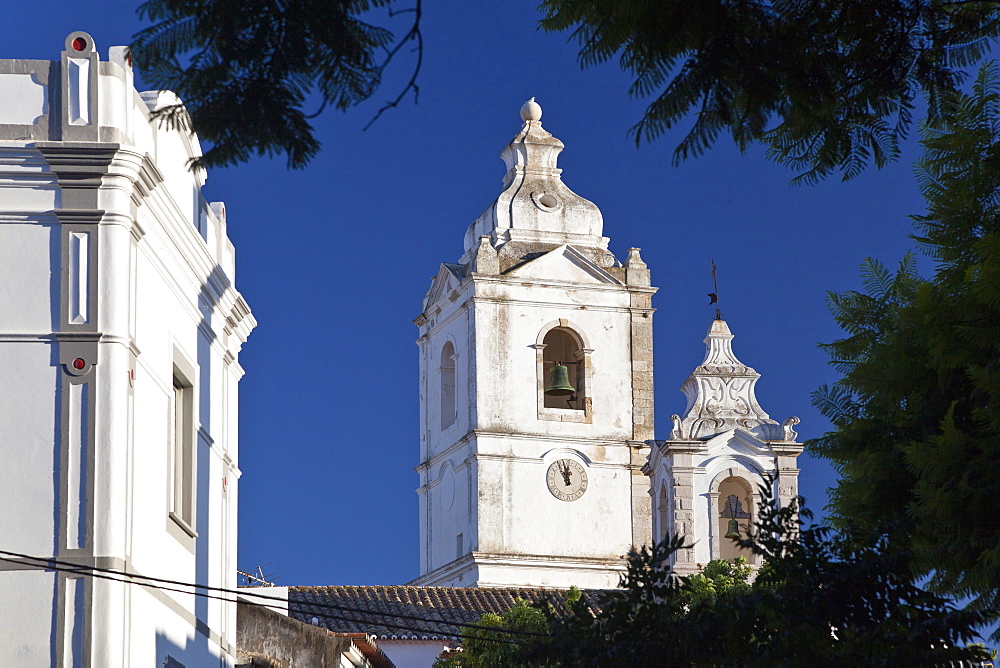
(447, 395)
(446, 486)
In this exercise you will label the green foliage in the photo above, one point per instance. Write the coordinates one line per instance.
(719, 578)
(245, 70)
(796, 75)
(916, 414)
(826, 85)
(819, 599)
(499, 649)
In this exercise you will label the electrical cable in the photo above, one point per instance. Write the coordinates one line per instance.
(83, 570)
(105, 573)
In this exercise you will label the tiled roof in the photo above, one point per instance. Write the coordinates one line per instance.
(405, 611)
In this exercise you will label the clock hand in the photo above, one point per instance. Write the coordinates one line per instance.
(565, 474)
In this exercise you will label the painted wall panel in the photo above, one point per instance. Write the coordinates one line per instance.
(29, 260)
(25, 99)
(29, 480)
(26, 629)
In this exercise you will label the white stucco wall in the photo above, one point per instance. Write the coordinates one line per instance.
(109, 254)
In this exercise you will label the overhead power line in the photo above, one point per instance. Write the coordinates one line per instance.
(280, 604)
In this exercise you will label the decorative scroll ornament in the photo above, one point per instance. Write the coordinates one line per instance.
(720, 396)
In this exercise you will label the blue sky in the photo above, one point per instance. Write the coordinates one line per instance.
(334, 260)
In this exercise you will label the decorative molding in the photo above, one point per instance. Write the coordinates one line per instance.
(78, 304)
(720, 396)
(536, 268)
(443, 282)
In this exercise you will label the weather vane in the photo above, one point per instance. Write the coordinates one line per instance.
(714, 296)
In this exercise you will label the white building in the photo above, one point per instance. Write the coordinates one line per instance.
(120, 329)
(526, 485)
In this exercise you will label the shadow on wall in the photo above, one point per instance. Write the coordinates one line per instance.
(203, 483)
(170, 655)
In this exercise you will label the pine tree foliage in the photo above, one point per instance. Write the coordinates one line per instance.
(916, 414)
(246, 70)
(826, 85)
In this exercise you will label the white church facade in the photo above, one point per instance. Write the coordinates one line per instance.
(120, 322)
(538, 464)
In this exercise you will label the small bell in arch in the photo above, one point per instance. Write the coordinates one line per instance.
(559, 382)
(734, 510)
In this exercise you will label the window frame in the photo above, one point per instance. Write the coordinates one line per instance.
(182, 497)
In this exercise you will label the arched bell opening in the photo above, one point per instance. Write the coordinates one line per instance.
(447, 391)
(563, 367)
(734, 517)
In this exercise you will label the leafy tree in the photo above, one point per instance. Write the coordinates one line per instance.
(824, 84)
(916, 414)
(483, 648)
(797, 75)
(630, 628)
(719, 578)
(819, 599)
(259, 61)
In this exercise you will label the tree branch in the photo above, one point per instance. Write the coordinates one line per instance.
(415, 35)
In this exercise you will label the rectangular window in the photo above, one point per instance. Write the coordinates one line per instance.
(182, 454)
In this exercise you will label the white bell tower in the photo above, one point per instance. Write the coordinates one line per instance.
(706, 477)
(520, 486)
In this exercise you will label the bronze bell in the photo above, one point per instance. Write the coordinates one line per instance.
(559, 382)
(734, 530)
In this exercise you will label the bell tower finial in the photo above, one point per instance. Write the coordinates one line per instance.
(535, 207)
(531, 111)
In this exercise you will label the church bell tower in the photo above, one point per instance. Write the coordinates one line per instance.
(536, 390)
(705, 480)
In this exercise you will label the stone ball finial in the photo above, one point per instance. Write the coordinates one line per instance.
(531, 111)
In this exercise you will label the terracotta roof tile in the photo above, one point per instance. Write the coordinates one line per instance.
(404, 610)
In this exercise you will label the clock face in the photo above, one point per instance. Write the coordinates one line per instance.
(567, 480)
